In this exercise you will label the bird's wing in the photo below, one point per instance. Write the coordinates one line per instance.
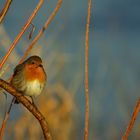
(18, 69)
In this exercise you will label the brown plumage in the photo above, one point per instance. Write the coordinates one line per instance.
(29, 78)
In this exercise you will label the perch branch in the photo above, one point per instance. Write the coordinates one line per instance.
(42, 30)
(5, 9)
(86, 72)
(32, 108)
(129, 128)
(21, 33)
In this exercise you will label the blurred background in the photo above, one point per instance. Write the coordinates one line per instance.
(114, 68)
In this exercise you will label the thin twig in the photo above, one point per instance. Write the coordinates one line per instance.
(5, 9)
(129, 128)
(5, 120)
(86, 72)
(32, 30)
(42, 30)
(21, 33)
(31, 107)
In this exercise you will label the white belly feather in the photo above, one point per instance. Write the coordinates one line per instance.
(34, 88)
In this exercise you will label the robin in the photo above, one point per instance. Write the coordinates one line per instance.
(29, 78)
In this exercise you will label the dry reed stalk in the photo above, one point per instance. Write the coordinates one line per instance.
(21, 33)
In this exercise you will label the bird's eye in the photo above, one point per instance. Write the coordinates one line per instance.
(33, 62)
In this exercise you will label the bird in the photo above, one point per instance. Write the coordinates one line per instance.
(29, 78)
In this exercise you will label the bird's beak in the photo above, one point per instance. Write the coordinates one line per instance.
(40, 65)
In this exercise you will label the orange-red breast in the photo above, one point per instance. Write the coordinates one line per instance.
(29, 78)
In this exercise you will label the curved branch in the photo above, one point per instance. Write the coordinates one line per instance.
(32, 108)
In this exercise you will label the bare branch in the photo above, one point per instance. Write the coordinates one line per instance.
(5, 9)
(129, 128)
(86, 73)
(32, 108)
